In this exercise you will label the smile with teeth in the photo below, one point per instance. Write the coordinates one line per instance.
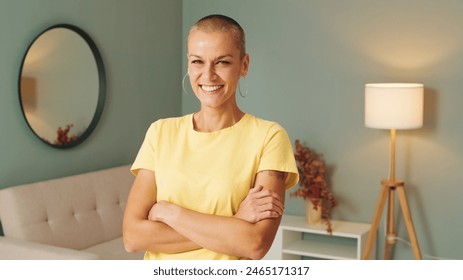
(207, 88)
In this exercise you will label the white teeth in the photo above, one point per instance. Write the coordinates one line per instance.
(210, 88)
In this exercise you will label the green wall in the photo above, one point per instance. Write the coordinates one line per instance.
(310, 60)
(140, 44)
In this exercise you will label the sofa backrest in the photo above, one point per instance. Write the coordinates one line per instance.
(74, 212)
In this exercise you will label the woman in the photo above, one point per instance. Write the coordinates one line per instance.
(210, 185)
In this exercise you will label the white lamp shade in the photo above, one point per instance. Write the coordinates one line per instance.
(394, 106)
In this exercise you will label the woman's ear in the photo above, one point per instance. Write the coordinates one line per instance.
(245, 65)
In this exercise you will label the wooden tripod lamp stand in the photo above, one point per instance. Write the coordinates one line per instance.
(393, 106)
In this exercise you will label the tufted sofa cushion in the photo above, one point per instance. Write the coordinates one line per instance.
(75, 212)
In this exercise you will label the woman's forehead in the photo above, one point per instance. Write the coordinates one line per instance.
(216, 41)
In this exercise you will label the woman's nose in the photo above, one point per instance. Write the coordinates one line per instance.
(209, 71)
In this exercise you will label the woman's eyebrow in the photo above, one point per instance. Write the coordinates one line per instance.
(220, 57)
(225, 56)
(196, 56)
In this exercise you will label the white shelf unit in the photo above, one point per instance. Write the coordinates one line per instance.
(296, 239)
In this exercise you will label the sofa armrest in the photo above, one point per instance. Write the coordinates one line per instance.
(17, 249)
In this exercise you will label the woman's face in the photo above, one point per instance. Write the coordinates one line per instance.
(215, 67)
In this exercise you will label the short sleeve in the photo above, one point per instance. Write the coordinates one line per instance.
(277, 154)
(146, 154)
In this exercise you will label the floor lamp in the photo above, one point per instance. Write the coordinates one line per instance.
(393, 106)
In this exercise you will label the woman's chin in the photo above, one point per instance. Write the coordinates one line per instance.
(213, 99)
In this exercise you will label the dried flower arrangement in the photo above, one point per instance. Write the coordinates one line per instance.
(63, 137)
(312, 184)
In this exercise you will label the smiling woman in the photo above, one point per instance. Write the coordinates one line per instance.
(62, 86)
(210, 185)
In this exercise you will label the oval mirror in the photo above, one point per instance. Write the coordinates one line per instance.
(62, 86)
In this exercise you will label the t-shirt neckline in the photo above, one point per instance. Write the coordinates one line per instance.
(223, 130)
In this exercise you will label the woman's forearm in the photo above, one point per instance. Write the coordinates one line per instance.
(227, 235)
(145, 235)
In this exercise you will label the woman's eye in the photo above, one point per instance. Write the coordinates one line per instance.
(224, 62)
(196, 61)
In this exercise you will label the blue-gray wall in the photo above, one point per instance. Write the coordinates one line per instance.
(310, 60)
(139, 41)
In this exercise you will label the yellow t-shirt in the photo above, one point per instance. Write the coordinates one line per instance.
(212, 172)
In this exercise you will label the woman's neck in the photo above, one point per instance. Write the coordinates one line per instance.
(210, 120)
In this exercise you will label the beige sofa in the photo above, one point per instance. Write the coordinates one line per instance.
(75, 217)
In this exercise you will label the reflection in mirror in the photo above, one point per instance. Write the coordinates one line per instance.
(61, 86)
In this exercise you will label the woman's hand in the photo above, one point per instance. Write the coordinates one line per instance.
(260, 204)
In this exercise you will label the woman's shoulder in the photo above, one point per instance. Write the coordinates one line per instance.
(263, 124)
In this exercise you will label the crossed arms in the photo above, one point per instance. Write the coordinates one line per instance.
(160, 226)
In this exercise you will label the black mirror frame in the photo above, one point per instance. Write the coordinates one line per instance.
(101, 90)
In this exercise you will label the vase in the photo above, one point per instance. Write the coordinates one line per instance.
(313, 216)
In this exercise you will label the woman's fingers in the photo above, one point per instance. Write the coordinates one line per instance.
(270, 200)
(260, 204)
